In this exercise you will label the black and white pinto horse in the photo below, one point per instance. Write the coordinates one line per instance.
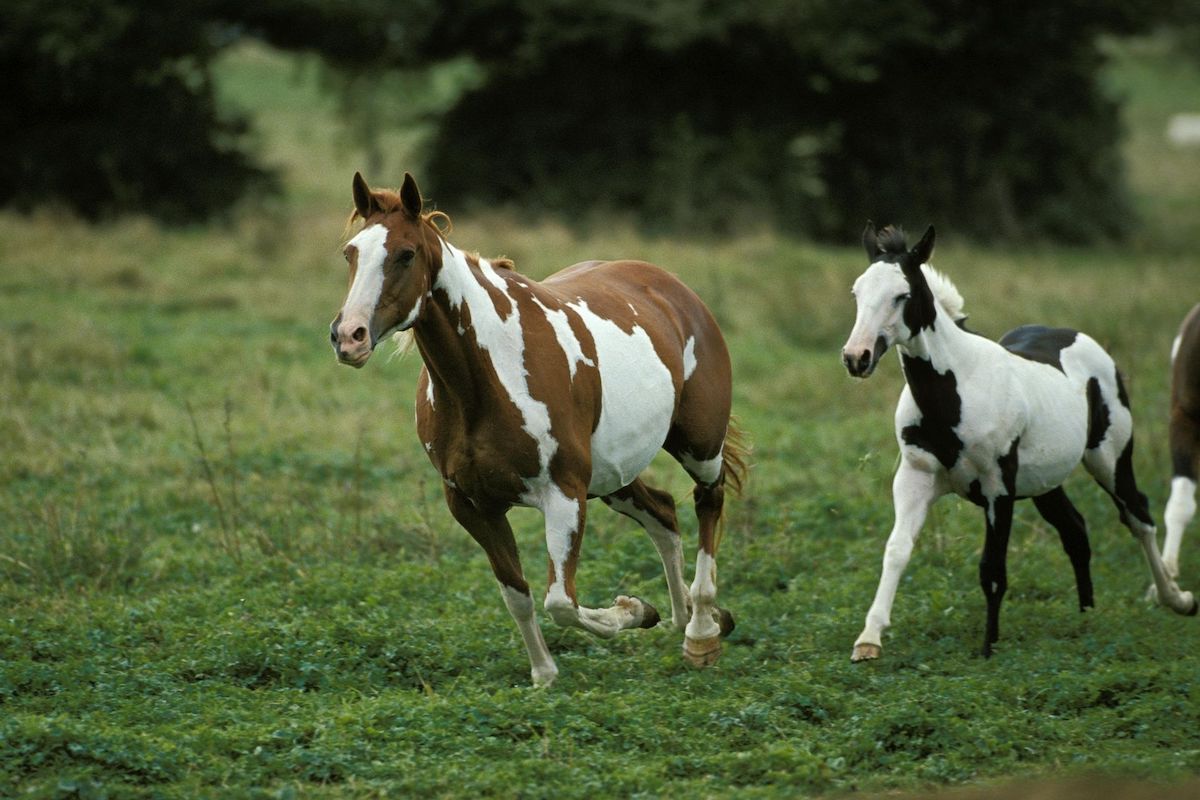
(992, 422)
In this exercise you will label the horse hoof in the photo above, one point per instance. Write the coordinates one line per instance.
(650, 616)
(701, 653)
(865, 652)
(725, 622)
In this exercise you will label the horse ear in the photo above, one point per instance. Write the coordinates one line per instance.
(870, 242)
(924, 249)
(362, 196)
(410, 196)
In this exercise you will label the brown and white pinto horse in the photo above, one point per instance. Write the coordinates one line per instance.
(547, 394)
(1184, 435)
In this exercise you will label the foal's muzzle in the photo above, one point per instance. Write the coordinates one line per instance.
(860, 362)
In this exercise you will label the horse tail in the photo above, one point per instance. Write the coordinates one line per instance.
(735, 457)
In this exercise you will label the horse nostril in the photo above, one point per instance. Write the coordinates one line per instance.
(360, 334)
(864, 360)
(333, 336)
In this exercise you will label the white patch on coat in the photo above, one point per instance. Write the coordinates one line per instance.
(566, 337)
(705, 472)
(637, 401)
(502, 339)
(689, 357)
(368, 276)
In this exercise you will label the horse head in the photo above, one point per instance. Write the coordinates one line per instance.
(893, 298)
(392, 261)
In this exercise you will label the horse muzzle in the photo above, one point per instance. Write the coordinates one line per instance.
(860, 362)
(352, 341)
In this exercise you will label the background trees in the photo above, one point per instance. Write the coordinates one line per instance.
(683, 113)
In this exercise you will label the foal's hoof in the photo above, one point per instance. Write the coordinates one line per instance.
(865, 652)
(725, 622)
(702, 653)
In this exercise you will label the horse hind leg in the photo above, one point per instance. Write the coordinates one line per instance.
(709, 465)
(1056, 508)
(654, 510)
(1109, 459)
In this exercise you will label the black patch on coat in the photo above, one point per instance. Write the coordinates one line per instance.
(1039, 343)
(920, 311)
(936, 395)
(1129, 499)
(1098, 418)
(1057, 509)
(1008, 468)
(1122, 395)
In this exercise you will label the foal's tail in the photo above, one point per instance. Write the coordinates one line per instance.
(735, 457)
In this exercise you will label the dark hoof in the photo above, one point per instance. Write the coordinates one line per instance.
(650, 616)
(726, 623)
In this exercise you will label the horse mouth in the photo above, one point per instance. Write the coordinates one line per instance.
(355, 361)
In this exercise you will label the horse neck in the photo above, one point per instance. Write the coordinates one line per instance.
(452, 354)
(944, 344)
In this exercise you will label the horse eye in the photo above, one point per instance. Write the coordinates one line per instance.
(901, 298)
(406, 257)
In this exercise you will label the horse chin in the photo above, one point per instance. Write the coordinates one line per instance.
(357, 361)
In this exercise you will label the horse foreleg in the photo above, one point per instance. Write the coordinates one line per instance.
(709, 622)
(993, 565)
(1184, 436)
(654, 510)
(495, 536)
(913, 492)
(565, 520)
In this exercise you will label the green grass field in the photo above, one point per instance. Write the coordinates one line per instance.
(226, 570)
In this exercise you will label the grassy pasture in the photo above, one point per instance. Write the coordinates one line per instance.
(226, 570)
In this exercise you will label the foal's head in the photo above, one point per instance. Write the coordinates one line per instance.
(894, 300)
(392, 264)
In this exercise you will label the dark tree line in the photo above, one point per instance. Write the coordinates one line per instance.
(986, 116)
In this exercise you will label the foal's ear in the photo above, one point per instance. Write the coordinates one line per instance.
(924, 248)
(363, 202)
(870, 242)
(410, 196)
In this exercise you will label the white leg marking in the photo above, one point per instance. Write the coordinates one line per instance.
(520, 606)
(1169, 593)
(1181, 507)
(703, 624)
(913, 492)
(670, 550)
(562, 524)
(705, 472)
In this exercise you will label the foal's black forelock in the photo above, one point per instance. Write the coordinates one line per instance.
(920, 311)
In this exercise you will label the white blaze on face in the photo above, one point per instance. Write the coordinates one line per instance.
(875, 294)
(368, 276)
(637, 400)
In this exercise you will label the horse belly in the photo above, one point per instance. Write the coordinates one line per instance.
(637, 404)
(1054, 439)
